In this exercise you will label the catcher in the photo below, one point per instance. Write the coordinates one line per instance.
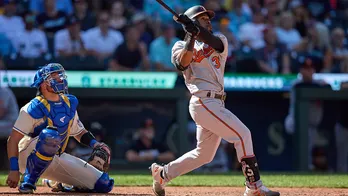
(40, 135)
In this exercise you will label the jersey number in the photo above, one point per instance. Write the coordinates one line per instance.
(216, 62)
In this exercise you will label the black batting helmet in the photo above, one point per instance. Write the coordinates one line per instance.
(196, 10)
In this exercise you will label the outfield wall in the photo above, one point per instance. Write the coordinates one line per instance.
(121, 101)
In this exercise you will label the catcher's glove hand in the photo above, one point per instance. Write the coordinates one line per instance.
(100, 157)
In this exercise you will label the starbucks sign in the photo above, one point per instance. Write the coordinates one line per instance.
(105, 79)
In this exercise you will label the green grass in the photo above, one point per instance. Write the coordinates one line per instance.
(233, 179)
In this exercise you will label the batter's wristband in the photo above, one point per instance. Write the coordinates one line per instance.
(14, 164)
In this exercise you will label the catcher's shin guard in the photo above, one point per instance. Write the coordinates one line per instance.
(37, 162)
(104, 184)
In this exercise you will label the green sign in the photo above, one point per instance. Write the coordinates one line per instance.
(167, 80)
(254, 82)
(258, 82)
(150, 80)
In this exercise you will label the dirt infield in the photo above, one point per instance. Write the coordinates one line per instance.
(194, 191)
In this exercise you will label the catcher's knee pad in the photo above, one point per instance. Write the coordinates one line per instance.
(45, 149)
(104, 184)
(48, 144)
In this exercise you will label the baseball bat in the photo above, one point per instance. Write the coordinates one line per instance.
(168, 8)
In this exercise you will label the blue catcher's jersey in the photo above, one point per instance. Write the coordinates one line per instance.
(40, 113)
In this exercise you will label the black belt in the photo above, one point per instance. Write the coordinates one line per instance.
(217, 96)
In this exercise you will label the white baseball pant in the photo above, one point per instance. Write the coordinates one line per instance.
(213, 122)
(65, 169)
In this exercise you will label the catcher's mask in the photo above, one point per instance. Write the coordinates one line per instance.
(58, 84)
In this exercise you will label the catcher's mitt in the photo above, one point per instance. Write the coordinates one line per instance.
(100, 157)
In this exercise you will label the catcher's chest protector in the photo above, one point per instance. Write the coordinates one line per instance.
(56, 114)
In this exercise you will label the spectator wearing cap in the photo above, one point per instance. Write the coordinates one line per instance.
(102, 41)
(10, 24)
(132, 54)
(161, 47)
(286, 33)
(38, 6)
(118, 21)
(307, 69)
(145, 148)
(87, 18)
(51, 20)
(273, 57)
(251, 33)
(32, 42)
(69, 41)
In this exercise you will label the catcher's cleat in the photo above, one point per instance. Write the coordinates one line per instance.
(26, 188)
(158, 180)
(259, 191)
(57, 186)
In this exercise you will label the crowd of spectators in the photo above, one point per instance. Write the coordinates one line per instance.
(137, 35)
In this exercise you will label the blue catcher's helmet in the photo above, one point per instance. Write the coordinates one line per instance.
(59, 84)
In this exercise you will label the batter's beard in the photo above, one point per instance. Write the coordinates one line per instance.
(210, 29)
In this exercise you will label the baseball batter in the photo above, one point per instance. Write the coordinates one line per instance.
(202, 57)
(40, 135)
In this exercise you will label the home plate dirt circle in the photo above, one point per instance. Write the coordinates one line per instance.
(194, 191)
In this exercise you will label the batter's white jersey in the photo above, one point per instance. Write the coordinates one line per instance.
(206, 72)
(26, 124)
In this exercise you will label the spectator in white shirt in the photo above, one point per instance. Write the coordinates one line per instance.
(286, 32)
(10, 24)
(69, 41)
(32, 42)
(251, 33)
(101, 41)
